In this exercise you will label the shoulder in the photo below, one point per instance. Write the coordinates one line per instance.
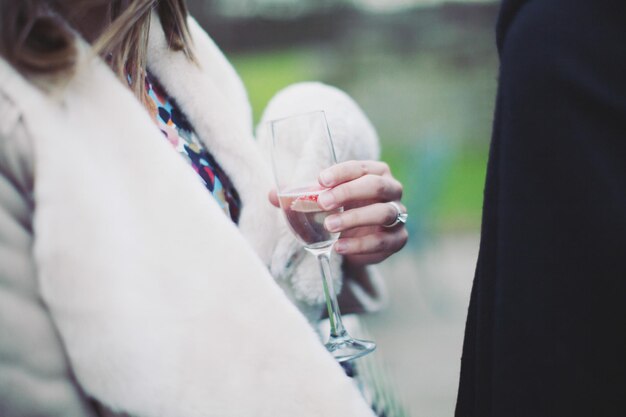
(554, 22)
(562, 94)
(564, 41)
(216, 65)
(12, 87)
(534, 26)
(212, 59)
(508, 10)
(17, 99)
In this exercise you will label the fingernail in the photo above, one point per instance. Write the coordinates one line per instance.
(333, 223)
(326, 178)
(341, 246)
(326, 199)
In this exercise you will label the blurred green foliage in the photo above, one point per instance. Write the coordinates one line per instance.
(265, 73)
(443, 189)
(461, 201)
(427, 81)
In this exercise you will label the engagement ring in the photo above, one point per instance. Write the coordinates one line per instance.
(401, 216)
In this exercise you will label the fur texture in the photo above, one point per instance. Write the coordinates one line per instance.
(163, 307)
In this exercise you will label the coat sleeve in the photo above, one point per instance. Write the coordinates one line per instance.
(35, 377)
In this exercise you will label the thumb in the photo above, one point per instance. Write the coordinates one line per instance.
(273, 198)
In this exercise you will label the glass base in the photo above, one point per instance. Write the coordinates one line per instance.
(345, 348)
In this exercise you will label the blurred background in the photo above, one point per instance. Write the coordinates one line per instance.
(425, 72)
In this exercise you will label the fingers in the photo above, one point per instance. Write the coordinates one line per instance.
(381, 244)
(367, 187)
(273, 198)
(351, 170)
(378, 214)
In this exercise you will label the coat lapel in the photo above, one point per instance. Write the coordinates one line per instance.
(213, 99)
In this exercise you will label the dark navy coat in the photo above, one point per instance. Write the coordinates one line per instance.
(546, 329)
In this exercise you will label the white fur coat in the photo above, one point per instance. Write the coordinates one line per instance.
(163, 306)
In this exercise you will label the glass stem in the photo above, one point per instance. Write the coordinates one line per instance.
(334, 315)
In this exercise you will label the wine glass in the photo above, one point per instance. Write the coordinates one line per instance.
(302, 147)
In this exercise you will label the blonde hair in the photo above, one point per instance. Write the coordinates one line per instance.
(37, 38)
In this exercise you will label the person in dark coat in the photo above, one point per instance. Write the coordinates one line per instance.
(546, 329)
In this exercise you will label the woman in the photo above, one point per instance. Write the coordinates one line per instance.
(126, 286)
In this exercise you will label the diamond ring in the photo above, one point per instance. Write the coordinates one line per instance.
(401, 216)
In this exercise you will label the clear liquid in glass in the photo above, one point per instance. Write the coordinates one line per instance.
(306, 217)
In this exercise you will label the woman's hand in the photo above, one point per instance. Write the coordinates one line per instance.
(364, 189)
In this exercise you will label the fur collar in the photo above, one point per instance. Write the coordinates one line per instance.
(214, 100)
